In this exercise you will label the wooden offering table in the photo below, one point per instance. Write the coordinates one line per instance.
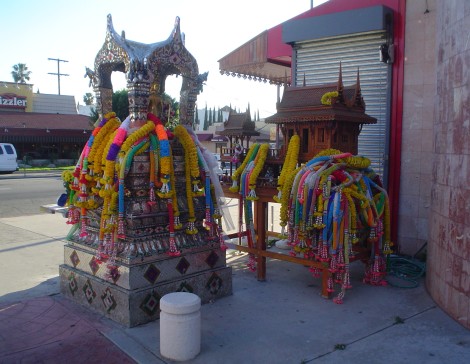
(260, 247)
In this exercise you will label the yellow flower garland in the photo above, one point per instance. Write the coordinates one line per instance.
(67, 176)
(328, 97)
(286, 188)
(352, 213)
(191, 229)
(357, 162)
(258, 166)
(136, 135)
(329, 151)
(108, 145)
(99, 143)
(111, 198)
(108, 175)
(239, 170)
(176, 211)
(289, 164)
(190, 154)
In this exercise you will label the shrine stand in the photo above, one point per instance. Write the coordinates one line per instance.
(321, 118)
(142, 200)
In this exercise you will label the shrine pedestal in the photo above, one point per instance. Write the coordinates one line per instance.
(131, 296)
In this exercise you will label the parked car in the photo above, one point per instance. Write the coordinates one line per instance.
(8, 163)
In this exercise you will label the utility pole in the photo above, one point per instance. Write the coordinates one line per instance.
(58, 74)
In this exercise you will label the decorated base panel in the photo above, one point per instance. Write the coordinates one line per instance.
(146, 271)
(139, 306)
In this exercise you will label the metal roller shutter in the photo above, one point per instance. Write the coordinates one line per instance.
(318, 61)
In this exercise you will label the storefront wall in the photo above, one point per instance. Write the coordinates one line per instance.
(417, 135)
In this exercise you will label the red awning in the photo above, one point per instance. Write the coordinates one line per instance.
(264, 58)
(267, 58)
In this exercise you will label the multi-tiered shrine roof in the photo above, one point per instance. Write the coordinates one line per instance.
(304, 103)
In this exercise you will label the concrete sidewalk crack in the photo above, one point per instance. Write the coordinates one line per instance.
(345, 345)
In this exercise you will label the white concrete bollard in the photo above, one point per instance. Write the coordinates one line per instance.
(180, 326)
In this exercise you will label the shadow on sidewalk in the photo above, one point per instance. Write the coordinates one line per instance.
(49, 287)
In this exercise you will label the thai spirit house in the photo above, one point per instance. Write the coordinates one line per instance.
(324, 116)
(122, 260)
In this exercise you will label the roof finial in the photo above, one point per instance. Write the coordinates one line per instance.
(340, 86)
(358, 100)
(176, 33)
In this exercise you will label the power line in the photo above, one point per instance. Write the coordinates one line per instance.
(58, 74)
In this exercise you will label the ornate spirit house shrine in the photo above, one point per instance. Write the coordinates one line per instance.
(144, 202)
(325, 116)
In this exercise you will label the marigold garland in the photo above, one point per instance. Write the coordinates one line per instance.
(67, 176)
(84, 183)
(137, 135)
(331, 203)
(191, 228)
(328, 97)
(191, 152)
(109, 172)
(117, 141)
(258, 166)
(106, 171)
(88, 145)
(286, 187)
(174, 198)
(99, 143)
(289, 165)
(357, 162)
(236, 175)
(100, 174)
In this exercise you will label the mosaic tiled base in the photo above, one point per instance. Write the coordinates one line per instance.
(139, 306)
(148, 272)
(144, 270)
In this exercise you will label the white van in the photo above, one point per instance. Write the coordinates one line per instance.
(8, 157)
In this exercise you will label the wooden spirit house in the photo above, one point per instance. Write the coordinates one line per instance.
(239, 129)
(324, 116)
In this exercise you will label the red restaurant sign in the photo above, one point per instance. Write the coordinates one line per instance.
(12, 101)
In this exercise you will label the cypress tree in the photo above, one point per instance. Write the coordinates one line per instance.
(196, 119)
(206, 120)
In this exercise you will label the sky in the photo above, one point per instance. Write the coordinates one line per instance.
(34, 31)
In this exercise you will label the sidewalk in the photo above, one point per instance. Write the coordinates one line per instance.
(31, 174)
(281, 320)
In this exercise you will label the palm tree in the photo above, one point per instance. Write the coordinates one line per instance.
(20, 73)
(88, 98)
